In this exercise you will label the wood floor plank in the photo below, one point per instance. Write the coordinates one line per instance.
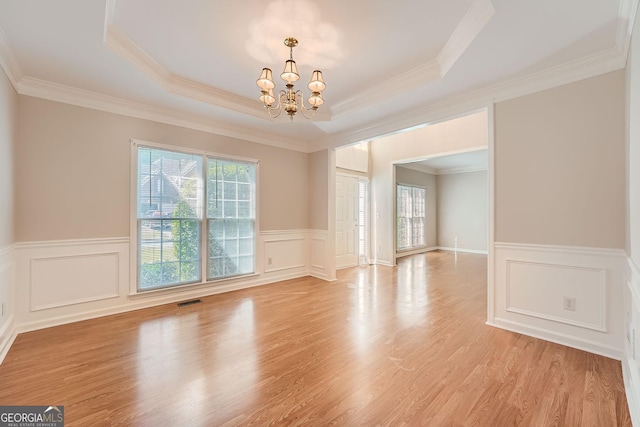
(403, 346)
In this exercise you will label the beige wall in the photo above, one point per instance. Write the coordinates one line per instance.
(559, 165)
(353, 158)
(633, 113)
(319, 190)
(427, 180)
(631, 362)
(8, 109)
(463, 210)
(73, 164)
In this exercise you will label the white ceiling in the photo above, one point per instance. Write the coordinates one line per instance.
(388, 65)
(469, 161)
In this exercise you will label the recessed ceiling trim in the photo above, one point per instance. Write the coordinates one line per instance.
(626, 17)
(606, 61)
(590, 66)
(29, 86)
(8, 61)
(121, 44)
(469, 27)
(401, 83)
(478, 15)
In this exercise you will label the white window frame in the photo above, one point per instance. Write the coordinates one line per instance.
(133, 219)
(395, 215)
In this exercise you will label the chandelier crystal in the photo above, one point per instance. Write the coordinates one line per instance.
(290, 100)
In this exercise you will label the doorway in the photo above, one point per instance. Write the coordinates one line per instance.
(347, 228)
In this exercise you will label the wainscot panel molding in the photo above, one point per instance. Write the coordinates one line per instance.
(319, 255)
(285, 250)
(533, 283)
(8, 330)
(631, 360)
(72, 280)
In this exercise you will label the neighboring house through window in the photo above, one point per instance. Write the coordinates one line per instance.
(175, 190)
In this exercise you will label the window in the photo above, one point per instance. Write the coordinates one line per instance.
(175, 191)
(363, 221)
(231, 217)
(410, 217)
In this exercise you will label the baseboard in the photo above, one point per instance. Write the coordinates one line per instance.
(9, 332)
(468, 251)
(416, 252)
(632, 390)
(385, 263)
(140, 302)
(322, 276)
(558, 338)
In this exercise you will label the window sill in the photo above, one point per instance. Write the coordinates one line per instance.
(188, 287)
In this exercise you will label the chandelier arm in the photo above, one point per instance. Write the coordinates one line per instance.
(304, 110)
(269, 110)
(303, 107)
(277, 108)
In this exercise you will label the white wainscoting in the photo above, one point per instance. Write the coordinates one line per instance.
(532, 282)
(631, 361)
(66, 281)
(7, 290)
(69, 280)
(285, 250)
(319, 257)
(95, 277)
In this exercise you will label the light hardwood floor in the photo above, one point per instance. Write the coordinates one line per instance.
(380, 346)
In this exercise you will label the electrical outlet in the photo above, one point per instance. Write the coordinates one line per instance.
(269, 261)
(569, 304)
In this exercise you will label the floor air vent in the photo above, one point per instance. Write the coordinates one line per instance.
(193, 301)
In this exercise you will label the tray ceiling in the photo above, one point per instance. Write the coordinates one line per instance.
(388, 65)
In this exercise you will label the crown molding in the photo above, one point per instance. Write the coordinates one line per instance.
(29, 86)
(122, 45)
(469, 27)
(466, 169)
(478, 15)
(119, 43)
(466, 102)
(445, 171)
(9, 61)
(401, 83)
(626, 18)
(418, 168)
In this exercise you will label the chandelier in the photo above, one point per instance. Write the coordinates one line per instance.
(290, 100)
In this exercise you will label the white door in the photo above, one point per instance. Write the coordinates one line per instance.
(346, 221)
